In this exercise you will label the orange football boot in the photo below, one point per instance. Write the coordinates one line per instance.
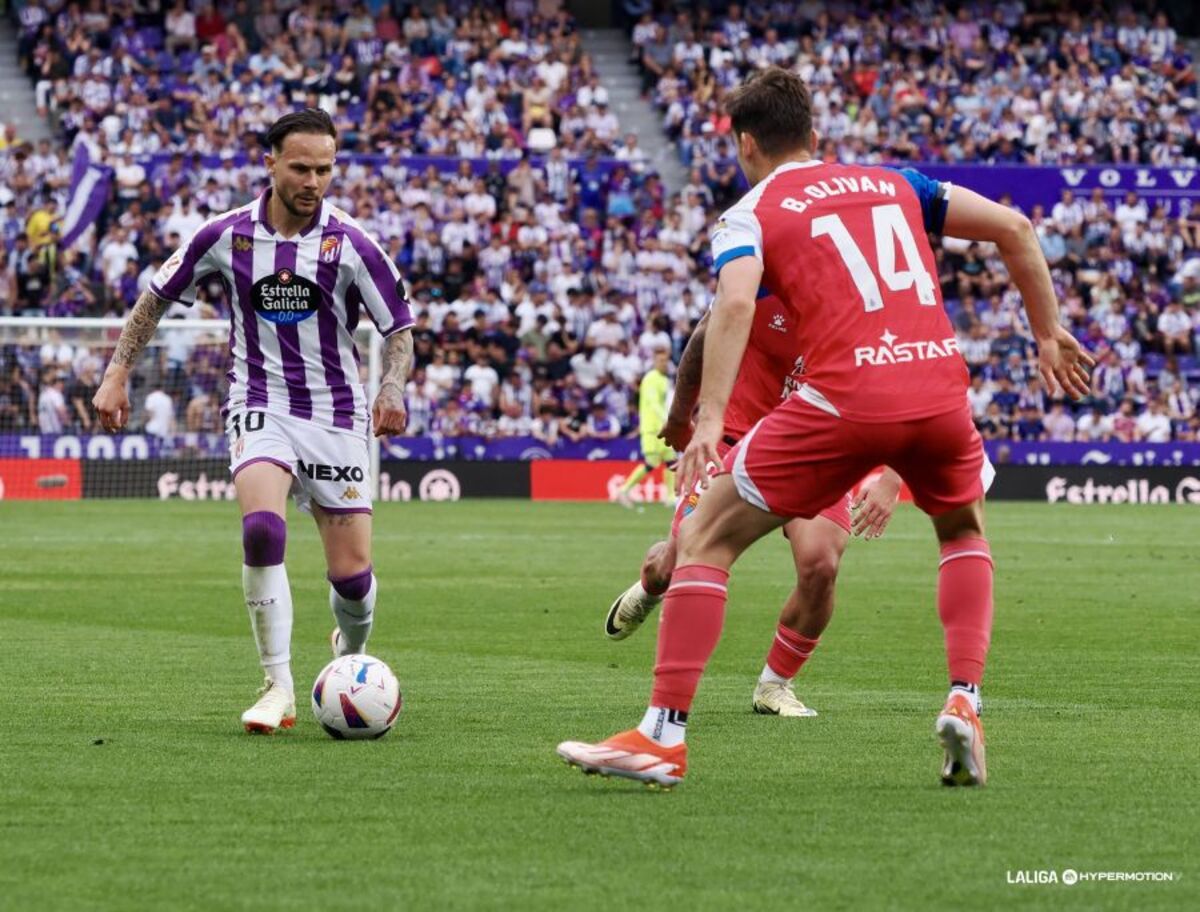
(961, 733)
(631, 755)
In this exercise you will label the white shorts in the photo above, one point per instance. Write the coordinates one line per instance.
(331, 468)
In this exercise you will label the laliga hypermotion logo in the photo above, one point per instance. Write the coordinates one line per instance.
(893, 352)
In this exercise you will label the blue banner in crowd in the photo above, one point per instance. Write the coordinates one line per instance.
(425, 449)
(1176, 188)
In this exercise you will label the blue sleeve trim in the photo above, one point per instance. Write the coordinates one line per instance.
(732, 254)
(932, 194)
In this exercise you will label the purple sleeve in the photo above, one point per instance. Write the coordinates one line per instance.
(176, 278)
(379, 284)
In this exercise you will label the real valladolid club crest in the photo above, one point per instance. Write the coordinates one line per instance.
(330, 248)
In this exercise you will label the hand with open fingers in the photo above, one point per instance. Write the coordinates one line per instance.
(389, 415)
(677, 433)
(1064, 365)
(700, 453)
(874, 505)
(112, 404)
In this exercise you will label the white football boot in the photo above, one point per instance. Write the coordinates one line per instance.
(628, 612)
(275, 709)
(772, 699)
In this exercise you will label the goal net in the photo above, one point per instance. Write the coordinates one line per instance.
(173, 447)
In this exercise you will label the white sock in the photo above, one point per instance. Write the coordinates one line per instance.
(353, 618)
(664, 726)
(269, 601)
(972, 694)
(769, 677)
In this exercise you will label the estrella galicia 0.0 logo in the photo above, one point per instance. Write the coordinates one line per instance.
(285, 297)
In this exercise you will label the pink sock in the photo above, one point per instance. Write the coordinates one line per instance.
(692, 616)
(789, 652)
(965, 606)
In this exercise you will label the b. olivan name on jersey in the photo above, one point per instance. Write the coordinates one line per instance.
(284, 297)
(893, 351)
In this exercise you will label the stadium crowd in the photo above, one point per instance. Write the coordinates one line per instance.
(999, 82)
(543, 284)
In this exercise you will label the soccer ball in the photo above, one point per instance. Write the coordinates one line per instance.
(355, 697)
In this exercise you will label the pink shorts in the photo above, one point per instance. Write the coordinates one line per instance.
(800, 460)
(838, 513)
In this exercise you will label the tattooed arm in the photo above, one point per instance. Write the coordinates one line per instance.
(111, 401)
(678, 429)
(389, 415)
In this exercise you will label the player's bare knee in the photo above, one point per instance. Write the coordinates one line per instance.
(264, 539)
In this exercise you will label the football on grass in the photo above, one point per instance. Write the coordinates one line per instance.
(355, 697)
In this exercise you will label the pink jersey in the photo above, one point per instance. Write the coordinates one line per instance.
(845, 248)
(769, 367)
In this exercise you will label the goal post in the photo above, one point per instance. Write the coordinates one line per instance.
(174, 445)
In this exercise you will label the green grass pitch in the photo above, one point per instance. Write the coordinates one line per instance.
(122, 622)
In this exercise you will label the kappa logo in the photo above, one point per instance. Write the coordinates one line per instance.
(241, 243)
(239, 447)
(895, 352)
(330, 248)
(779, 323)
(351, 493)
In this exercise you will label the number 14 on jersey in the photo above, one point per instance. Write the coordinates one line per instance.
(891, 230)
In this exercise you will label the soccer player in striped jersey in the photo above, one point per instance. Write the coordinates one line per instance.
(299, 272)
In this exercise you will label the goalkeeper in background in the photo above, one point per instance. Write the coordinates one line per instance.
(654, 394)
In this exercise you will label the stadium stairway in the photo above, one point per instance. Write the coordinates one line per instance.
(610, 50)
(18, 103)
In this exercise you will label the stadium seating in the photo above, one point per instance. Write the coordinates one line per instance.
(544, 288)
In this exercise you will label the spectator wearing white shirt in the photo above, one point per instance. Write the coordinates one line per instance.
(1175, 326)
(1060, 427)
(1067, 212)
(1154, 425)
(52, 405)
(184, 220)
(1130, 212)
(1094, 426)
(606, 332)
(115, 254)
(159, 410)
(483, 379)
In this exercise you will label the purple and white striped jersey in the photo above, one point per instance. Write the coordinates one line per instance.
(295, 304)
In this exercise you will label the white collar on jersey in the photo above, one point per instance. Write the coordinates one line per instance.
(259, 214)
(793, 165)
